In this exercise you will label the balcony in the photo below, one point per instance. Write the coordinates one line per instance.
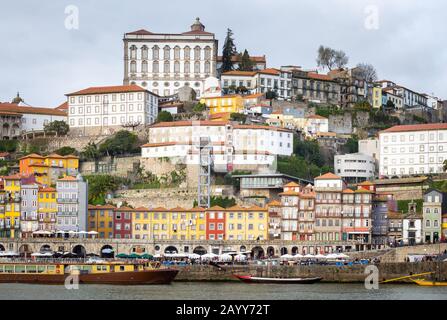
(67, 200)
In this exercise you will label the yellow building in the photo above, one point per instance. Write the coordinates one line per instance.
(47, 209)
(377, 97)
(2, 213)
(169, 224)
(246, 223)
(12, 206)
(225, 104)
(444, 227)
(100, 219)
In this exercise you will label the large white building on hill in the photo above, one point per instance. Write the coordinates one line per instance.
(163, 63)
(413, 149)
(234, 146)
(105, 110)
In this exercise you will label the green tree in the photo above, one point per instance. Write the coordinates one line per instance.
(91, 152)
(58, 126)
(308, 150)
(352, 145)
(246, 64)
(228, 51)
(101, 184)
(239, 117)
(164, 116)
(120, 143)
(363, 106)
(65, 151)
(199, 107)
(8, 145)
(271, 95)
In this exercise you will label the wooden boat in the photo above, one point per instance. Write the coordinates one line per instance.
(428, 283)
(251, 279)
(119, 273)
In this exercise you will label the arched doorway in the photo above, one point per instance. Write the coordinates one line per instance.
(107, 252)
(2, 248)
(284, 251)
(5, 131)
(171, 249)
(45, 248)
(294, 250)
(25, 250)
(270, 252)
(243, 248)
(79, 250)
(257, 253)
(199, 250)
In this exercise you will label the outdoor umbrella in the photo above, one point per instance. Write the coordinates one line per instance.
(332, 256)
(134, 256)
(287, 257)
(298, 256)
(310, 256)
(343, 256)
(107, 250)
(320, 256)
(208, 256)
(240, 257)
(194, 256)
(122, 256)
(225, 257)
(146, 256)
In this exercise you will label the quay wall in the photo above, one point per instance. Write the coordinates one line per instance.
(344, 274)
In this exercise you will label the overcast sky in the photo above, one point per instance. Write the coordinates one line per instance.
(43, 60)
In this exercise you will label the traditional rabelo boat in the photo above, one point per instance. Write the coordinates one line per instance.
(114, 272)
(251, 279)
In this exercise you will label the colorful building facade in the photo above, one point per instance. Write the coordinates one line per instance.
(100, 219)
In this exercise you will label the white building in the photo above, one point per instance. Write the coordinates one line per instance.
(233, 146)
(370, 147)
(32, 118)
(412, 230)
(163, 63)
(260, 81)
(413, 149)
(355, 167)
(410, 98)
(102, 110)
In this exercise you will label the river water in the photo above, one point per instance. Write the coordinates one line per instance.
(222, 291)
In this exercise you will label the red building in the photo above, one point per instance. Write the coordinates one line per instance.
(215, 223)
(122, 223)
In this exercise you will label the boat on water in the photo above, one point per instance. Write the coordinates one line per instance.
(110, 272)
(251, 279)
(428, 283)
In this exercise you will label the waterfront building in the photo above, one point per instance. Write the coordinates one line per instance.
(434, 205)
(410, 98)
(28, 209)
(274, 220)
(12, 186)
(122, 223)
(234, 146)
(105, 110)
(403, 188)
(215, 223)
(395, 228)
(355, 167)
(412, 229)
(383, 204)
(163, 63)
(100, 219)
(246, 223)
(47, 209)
(49, 168)
(409, 150)
(72, 203)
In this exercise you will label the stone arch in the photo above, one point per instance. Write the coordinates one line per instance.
(25, 249)
(257, 252)
(79, 250)
(45, 248)
(107, 251)
(294, 250)
(2, 247)
(270, 251)
(199, 250)
(171, 249)
(284, 251)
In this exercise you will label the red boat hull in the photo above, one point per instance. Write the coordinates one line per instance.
(159, 276)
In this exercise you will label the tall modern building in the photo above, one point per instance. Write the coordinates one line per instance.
(163, 63)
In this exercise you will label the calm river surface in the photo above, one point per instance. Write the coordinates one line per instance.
(222, 291)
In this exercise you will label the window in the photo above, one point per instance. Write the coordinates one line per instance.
(166, 53)
(187, 67)
(197, 53)
(166, 67)
(155, 67)
(144, 67)
(155, 53)
(197, 67)
(133, 66)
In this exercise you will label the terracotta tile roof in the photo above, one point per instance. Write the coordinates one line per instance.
(328, 176)
(198, 32)
(239, 73)
(394, 215)
(309, 195)
(14, 108)
(366, 183)
(63, 106)
(274, 203)
(220, 115)
(292, 184)
(270, 71)
(55, 155)
(416, 127)
(361, 190)
(47, 189)
(177, 209)
(124, 208)
(215, 208)
(160, 144)
(109, 89)
(238, 58)
(13, 177)
(4, 154)
(100, 207)
(290, 193)
(197, 209)
(317, 76)
(32, 155)
(140, 32)
(6, 113)
(316, 116)
(71, 156)
(348, 191)
(141, 209)
(68, 178)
